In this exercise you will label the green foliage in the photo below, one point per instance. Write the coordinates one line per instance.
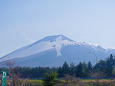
(50, 79)
(106, 66)
(113, 71)
(72, 68)
(81, 70)
(89, 66)
(65, 68)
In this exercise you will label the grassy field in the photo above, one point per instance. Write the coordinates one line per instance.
(87, 82)
(62, 82)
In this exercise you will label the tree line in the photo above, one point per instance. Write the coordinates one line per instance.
(84, 70)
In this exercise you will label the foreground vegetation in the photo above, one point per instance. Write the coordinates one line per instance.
(63, 82)
(105, 67)
(22, 76)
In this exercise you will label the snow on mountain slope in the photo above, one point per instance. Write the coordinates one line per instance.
(55, 50)
(50, 42)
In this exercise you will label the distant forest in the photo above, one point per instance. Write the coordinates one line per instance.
(104, 68)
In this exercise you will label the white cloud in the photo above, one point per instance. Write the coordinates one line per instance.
(30, 40)
(111, 48)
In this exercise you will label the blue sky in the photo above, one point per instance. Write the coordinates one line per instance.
(25, 21)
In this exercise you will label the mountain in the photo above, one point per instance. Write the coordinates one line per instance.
(55, 50)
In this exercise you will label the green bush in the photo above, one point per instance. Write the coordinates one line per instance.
(50, 79)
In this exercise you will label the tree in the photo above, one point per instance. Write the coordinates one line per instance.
(80, 70)
(65, 68)
(101, 65)
(72, 68)
(60, 72)
(106, 66)
(12, 73)
(113, 72)
(109, 65)
(89, 67)
(111, 57)
(50, 79)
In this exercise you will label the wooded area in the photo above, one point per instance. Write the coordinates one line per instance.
(82, 70)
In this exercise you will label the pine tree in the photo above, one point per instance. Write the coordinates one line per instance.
(65, 68)
(80, 71)
(72, 69)
(60, 72)
(102, 65)
(109, 64)
(50, 79)
(89, 67)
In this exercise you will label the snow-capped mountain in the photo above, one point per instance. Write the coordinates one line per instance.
(54, 50)
(50, 42)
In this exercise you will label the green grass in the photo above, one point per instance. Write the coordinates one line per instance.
(62, 82)
(34, 83)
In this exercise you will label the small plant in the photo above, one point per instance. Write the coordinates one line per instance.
(50, 79)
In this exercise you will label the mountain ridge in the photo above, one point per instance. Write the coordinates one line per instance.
(58, 47)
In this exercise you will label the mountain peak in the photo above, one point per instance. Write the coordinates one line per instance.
(51, 47)
(54, 37)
